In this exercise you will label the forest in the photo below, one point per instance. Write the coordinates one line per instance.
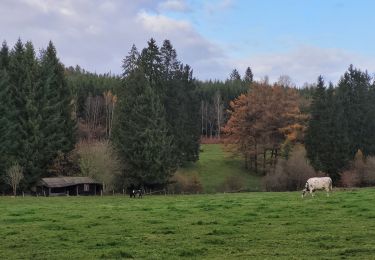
(140, 127)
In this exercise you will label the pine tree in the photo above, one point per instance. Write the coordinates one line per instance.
(169, 59)
(58, 126)
(353, 93)
(316, 135)
(249, 77)
(235, 75)
(130, 63)
(326, 139)
(141, 135)
(7, 126)
(30, 121)
(151, 63)
(4, 56)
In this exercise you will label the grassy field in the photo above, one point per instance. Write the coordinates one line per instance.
(222, 226)
(215, 165)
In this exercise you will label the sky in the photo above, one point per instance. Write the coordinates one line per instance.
(299, 38)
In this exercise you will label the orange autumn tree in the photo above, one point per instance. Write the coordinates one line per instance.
(260, 121)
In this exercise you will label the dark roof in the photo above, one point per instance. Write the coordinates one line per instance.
(57, 182)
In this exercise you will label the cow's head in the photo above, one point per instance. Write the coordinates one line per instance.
(306, 189)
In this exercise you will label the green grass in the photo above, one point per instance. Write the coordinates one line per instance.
(220, 226)
(215, 165)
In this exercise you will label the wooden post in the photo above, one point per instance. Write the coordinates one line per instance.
(77, 189)
(123, 192)
(113, 192)
(44, 192)
(101, 192)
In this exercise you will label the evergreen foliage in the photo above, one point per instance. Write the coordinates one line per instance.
(141, 133)
(249, 77)
(36, 122)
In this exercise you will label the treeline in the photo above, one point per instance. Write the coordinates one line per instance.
(157, 126)
(36, 109)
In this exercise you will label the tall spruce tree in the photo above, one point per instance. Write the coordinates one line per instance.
(4, 56)
(235, 75)
(30, 121)
(249, 77)
(326, 138)
(141, 133)
(130, 63)
(58, 126)
(355, 101)
(316, 135)
(7, 126)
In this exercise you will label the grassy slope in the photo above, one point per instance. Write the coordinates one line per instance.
(221, 226)
(215, 165)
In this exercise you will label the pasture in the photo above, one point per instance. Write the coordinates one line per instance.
(215, 165)
(218, 226)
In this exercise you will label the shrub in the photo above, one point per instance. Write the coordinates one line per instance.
(369, 172)
(361, 172)
(233, 183)
(99, 161)
(185, 183)
(290, 174)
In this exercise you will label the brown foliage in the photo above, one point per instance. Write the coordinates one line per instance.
(183, 183)
(262, 119)
(290, 174)
(233, 183)
(361, 173)
(65, 164)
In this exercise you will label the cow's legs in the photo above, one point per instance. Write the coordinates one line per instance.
(312, 192)
(327, 190)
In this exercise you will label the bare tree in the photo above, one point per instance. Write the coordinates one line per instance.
(110, 102)
(219, 107)
(286, 81)
(14, 176)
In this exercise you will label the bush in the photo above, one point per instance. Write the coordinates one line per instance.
(361, 172)
(184, 183)
(99, 161)
(290, 174)
(233, 183)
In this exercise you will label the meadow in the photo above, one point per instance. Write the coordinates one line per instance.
(255, 225)
(216, 164)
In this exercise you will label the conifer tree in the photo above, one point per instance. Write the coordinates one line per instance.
(7, 126)
(130, 62)
(249, 77)
(141, 135)
(58, 125)
(4, 56)
(235, 75)
(316, 134)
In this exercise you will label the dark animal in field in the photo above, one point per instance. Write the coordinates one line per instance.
(317, 183)
(134, 193)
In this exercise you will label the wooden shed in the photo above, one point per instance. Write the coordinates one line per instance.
(73, 186)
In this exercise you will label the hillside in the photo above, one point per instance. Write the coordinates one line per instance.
(216, 165)
(254, 225)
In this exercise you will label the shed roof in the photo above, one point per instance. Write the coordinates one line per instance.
(57, 182)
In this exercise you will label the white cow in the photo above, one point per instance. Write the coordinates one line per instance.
(318, 183)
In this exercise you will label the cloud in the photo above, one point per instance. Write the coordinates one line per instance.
(97, 34)
(305, 64)
(174, 6)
